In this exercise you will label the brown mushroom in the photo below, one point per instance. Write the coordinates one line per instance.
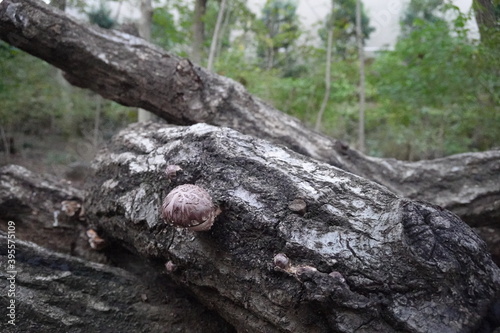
(95, 242)
(190, 206)
(171, 171)
(281, 261)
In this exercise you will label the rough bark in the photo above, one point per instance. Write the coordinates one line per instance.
(487, 18)
(34, 203)
(60, 293)
(53, 288)
(400, 265)
(135, 73)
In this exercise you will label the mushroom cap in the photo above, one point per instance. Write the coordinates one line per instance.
(281, 261)
(189, 206)
(171, 171)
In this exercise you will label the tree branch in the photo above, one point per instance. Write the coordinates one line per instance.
(133, 72)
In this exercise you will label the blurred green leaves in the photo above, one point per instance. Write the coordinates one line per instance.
(436, 91)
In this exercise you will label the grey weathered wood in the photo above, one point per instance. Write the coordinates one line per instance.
(408, 266)
(34, 202)
(59, 293)
(134, 72)
(55, 292)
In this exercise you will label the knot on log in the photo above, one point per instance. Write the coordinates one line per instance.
(186, 76)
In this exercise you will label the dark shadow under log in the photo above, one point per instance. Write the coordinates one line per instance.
(59, 293)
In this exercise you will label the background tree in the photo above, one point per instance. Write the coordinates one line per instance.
(172, 27)
(418, 11)
(278, 31)
(328, 74)
(487, 13)
(216, 35)
(345, 27)
(436, 100)
(362, 89)
(234, 40)
(200, 7)
(145, 23)
(101, 16)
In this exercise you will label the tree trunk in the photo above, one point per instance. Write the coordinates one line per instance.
(51, 287)
(145, 32)
(362, 92)
(487, 20)
(216, 36)
(200, 7)
(97, 122)
(135, 73)
(362, 258)
(328, 73)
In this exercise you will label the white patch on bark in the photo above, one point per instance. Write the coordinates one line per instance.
(247, 197)
(141, 204)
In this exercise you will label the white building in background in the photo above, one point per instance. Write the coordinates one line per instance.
(384, 17)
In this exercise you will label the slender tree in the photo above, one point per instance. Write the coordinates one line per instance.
(200, 8)
(362, 90)
(145, 32)
(216, 35)
(345, 27)
(328, 71)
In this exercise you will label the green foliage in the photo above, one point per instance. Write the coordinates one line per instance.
(172, 24)
(343, 18)
(436, 93)
(166, 31)
(299, 95)
(277, 30)
(419, 11)
(101, 16)
(32, 101)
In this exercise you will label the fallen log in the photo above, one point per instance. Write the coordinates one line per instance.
(134, 72)
(361, 258)
(46, 210)
(46, 291)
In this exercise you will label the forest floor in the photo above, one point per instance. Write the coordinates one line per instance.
(63, 157)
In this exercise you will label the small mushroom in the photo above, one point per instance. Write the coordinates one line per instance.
(170, 266)
(338, 276)
(281, 261)
(171, 171)
(72, 208)
(95, 242)
(284, 264)
(190, 206)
